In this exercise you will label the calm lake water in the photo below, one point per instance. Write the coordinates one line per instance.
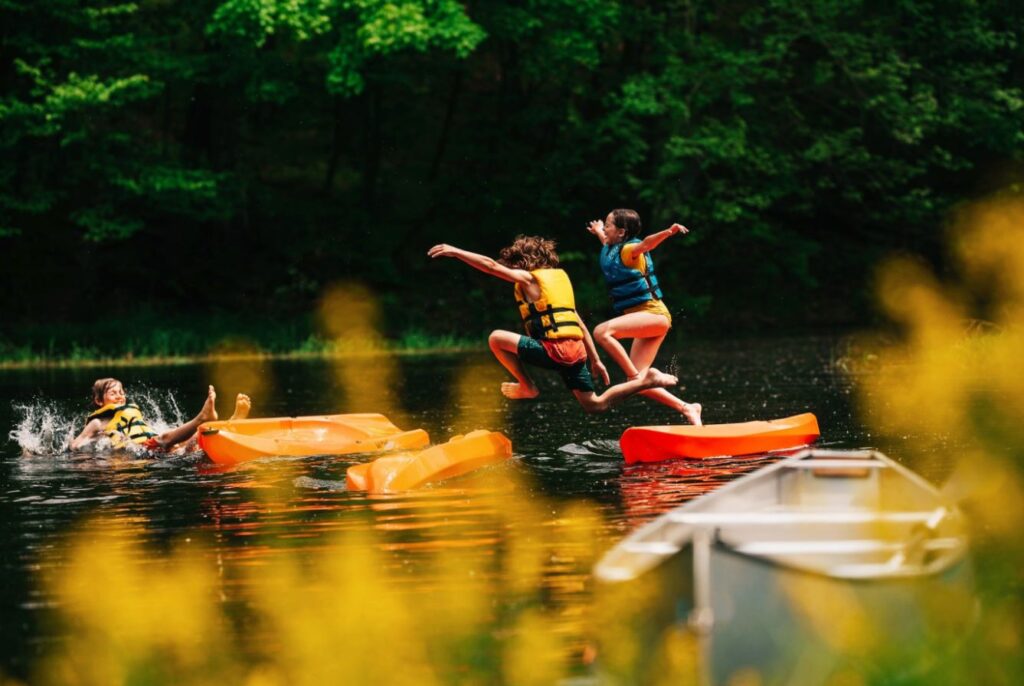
(561, 454)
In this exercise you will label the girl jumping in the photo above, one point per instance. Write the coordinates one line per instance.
(640, 313)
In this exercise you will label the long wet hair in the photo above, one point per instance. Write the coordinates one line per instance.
(529, 253)
(629, 221)
(99, 389)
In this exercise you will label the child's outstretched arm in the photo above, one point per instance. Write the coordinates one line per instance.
(655, 239)
(91, 431)
(596, 227)
(597, 367)
(485, 264)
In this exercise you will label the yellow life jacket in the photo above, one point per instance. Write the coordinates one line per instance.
(124, 423)
(553, 315)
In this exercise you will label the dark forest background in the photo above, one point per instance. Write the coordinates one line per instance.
(186, 171)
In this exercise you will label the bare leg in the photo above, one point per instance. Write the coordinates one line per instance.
(189, 446)
(651, 378)
(642, 354)
(648, 331)
(633, 325)
(242, 406)
(505, 346)
(208, 413)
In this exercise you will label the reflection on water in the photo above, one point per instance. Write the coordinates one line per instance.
(651, 489)
(515, 529)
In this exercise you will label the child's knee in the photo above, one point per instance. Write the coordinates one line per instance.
(602, 330)
(591, 404)
(494, 340)
(503, 340)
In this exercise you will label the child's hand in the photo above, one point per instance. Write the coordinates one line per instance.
(678, 228)
(596, 227)
(443, 250)
(598, 369)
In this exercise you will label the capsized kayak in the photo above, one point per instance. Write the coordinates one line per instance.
(656, 443)
(460, 455)
(230, 442)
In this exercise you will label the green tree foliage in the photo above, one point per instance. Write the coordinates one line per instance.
(242, 154)
(78, 135)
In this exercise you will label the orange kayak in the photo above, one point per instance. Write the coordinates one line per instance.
(230, 442)
(460, 455)
(656, 443)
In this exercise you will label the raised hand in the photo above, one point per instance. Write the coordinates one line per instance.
(678, 228)
(443, 250)
(596, 227)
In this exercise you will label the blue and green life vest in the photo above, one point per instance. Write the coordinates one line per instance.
(627, 286)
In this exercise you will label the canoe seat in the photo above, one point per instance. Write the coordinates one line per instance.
(833, 483)
(838, 547)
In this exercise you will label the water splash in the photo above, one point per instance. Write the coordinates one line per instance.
(43, 428)
(673, 366)
(47, 427)
(160, 408)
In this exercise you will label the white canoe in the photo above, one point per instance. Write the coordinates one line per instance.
(766, 569)
(842, 514)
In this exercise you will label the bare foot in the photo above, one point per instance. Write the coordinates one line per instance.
(243, 404)
(209, 411)
(516, 391)
(692, 412)
(652, 378)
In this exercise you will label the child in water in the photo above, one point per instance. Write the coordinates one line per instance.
(640, 313)
(123, 423)
(556, 336)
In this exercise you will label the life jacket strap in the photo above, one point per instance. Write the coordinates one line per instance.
(534, 320)
(651, 287)
(136, 422)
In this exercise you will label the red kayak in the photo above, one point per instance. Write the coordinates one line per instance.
(657, 443)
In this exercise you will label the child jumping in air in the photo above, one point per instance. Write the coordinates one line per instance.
(556, 337)
(640, 313)
(122, 422)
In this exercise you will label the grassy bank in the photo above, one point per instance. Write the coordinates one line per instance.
(329, 351)
(150, 340)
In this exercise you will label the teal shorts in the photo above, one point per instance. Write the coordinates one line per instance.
(576, 376)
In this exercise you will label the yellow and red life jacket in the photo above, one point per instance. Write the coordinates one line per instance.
(553, 315)
(124, 423)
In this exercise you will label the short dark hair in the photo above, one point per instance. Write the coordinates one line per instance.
(529, 253)
(629, 221)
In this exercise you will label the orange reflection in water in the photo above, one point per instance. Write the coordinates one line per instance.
(653, 488)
